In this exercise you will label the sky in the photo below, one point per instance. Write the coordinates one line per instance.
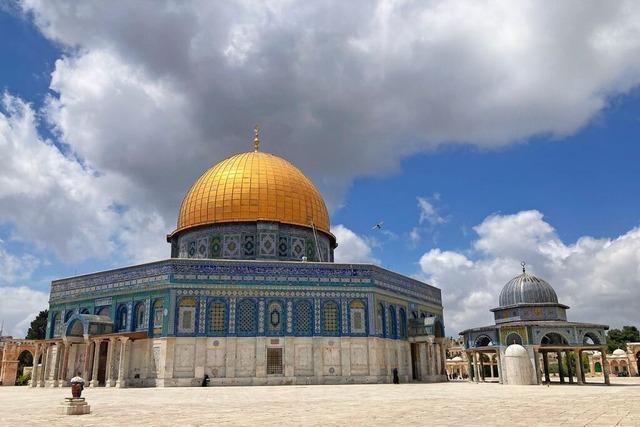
(480, 133)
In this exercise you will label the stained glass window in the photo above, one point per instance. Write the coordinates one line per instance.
(331, 317)
(217, 317)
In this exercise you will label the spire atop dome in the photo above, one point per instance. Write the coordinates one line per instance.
(256, 138)
(523, 264)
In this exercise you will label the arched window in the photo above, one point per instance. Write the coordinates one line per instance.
(140, 316)
(187, 315)
(356, 315)
(158, 316)
(403, 323)
(304, 318)
(68, 315)
(380, 326)
(122, 318)
(330, 318)
(513, 338)
(483, 341)
(274, 319)
(217, 317)
(392, 326)
(55, 324)
(246, 317)
(553, 338)
(84, 310)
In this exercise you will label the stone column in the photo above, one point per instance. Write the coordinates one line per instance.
(579, 369)
(499, 362)
(469, 367)
(36, 371)
(423, 361)
(96, 364)
(481, 367)
(43, 369)
(436, 348)
(62, 378)
(545, 363)
(123, 363)
(569, 370)
(109, 380)
(605, 366)
(476, 367)
(536, 366)
(560, 373)
(56, 365)
(86, 366)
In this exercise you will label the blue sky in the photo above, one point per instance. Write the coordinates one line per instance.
(476, 147)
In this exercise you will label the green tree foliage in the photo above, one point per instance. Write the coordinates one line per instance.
(38, 328)
(618, 338)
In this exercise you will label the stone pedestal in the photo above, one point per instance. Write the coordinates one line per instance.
(75, 406)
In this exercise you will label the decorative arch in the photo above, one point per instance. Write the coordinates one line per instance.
(380, 320)
(483, 341)
(122, 318)
(513, 338)
(554, 338)
(75, 328)
(103, 311)
(403, 323)
(139, 316)
(591, 338)
(84, 310)
(392, 325)
(55, 325)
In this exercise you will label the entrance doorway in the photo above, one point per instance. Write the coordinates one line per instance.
(414, 361)
(102, 363)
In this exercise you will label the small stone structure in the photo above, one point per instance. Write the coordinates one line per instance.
(518, 368)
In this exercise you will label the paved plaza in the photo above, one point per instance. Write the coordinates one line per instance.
(455, 403)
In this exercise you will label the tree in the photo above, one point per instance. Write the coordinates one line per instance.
(618, 338)
(38, 328)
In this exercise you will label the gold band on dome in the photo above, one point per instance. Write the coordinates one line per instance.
(253, 186)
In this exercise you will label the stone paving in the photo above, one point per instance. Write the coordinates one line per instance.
(455, 403)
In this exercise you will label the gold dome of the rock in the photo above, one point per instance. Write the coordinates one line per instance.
(253, 186)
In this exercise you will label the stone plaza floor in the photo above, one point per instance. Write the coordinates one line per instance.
(454, 403)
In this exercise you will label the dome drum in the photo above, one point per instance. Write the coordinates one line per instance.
(252, 241)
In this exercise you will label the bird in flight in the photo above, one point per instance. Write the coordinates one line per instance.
(378, 226)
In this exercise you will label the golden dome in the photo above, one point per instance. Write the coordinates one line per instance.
(253, 186)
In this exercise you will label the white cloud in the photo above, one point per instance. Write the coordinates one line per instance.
(598, 278)
(428, 211)
(18, 307)
(16, 268)
(55, 203)
(351, 247)
(344, 89)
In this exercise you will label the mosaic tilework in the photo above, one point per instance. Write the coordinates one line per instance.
(289, 316)
(202, 246)
(283, 246)
(297, 247)
(231, 247)
(249, 245)
(202, 314)
(267, 244)
(316, 317)
(232, 315)
(215, 250)
(261, 316)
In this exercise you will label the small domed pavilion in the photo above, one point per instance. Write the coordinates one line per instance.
(530, 316)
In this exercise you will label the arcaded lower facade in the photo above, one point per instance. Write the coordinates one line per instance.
(250, 295)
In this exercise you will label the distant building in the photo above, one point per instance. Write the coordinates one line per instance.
(533, 324)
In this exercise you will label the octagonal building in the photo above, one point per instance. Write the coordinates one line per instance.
(250, 295)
